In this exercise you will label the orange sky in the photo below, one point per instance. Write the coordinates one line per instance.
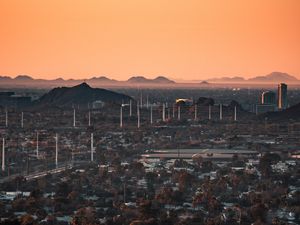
(190, 39)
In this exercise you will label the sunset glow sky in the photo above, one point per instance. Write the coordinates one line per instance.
(188, 39)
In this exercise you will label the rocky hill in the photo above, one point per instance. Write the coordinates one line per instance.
(80, 95)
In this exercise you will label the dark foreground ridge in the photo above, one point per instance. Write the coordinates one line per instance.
(81, 94)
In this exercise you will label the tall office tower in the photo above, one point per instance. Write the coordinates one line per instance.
(268, 97)
(282, 96)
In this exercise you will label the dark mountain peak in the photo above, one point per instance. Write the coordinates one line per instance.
(138, 79)
(274, 77)
(5, 78)
(83, 85)
(80, 94)
(157, 80)
(162, 79)
(102, 79)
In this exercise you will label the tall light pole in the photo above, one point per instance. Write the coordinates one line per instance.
(221, 112)
(56, 149)
(147, 103)
(164, 112)
(22, 119)
(151, 115)
(178, 115)
(3, 154)
(235, 114)
(173, 111)
(209, 112)
(92, 147)
(121, 116)
(130, 108)
(37, 144)
(74, 117)
(89, 118)
(138, 116)
(6, 118)
(195, 112)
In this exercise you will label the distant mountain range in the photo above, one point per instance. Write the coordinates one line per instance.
(27, 81)
(157, 80)
(274, 77)
(81, 94)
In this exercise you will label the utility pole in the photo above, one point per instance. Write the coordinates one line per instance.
(195, 112)
(178, 112)
(89, 118)
(209, 112)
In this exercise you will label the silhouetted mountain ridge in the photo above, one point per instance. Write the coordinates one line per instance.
(157, 80)
(81, 94)
(274, 77)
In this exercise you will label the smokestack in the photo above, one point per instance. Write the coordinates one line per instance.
(195, 112)
(74, 118)
(3, 154)
(235, 114)
(92, 147)
(121, 116)
(89, 118)
(178, 113)
(37, 144)
(130, 108)
(221, 112)
(56, 150)
(209, 112)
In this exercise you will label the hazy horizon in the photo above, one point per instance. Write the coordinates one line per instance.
(193, 39)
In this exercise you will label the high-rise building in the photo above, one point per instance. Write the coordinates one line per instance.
(282, 96)
(268, 98)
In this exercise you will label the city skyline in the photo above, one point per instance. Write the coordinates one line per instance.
(192, 39)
